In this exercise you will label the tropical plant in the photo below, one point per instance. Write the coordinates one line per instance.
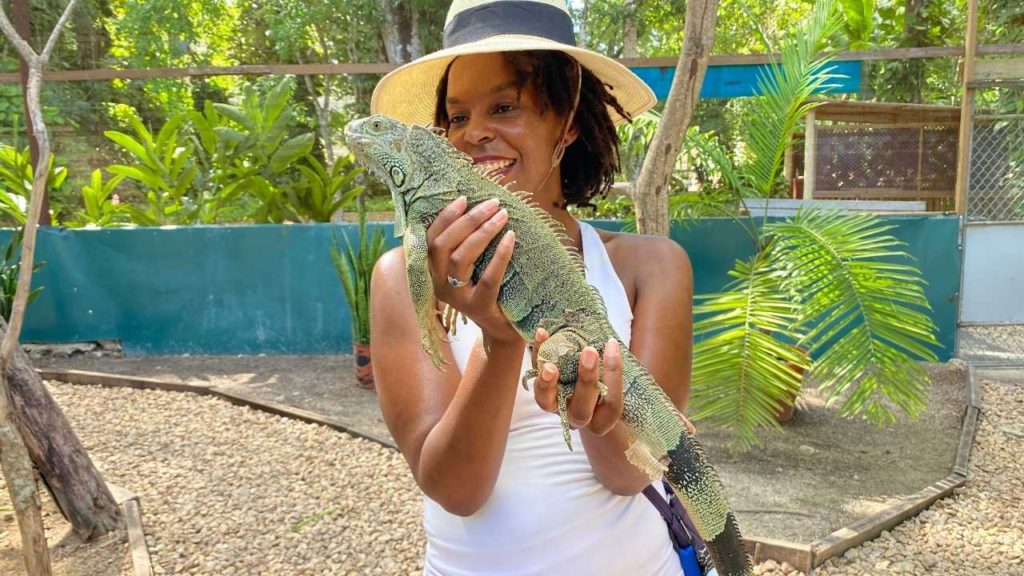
(16, 182)
(836, 285)
(354, 266)
(100, 206)
(248, 151)
(319, 194)
(164, 168)
(10, 270)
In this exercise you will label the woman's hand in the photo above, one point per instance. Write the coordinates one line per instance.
(587, 409)
(455, 241)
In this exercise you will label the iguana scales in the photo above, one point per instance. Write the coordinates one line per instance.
(425, 173)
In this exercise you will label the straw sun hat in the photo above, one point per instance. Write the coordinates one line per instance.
(409, 93)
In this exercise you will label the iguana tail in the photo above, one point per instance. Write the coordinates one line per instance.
(662, 445)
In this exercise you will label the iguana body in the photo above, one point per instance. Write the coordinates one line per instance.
(543, 286)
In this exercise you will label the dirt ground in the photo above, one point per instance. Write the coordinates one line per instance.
(109, 556)
(820, 474)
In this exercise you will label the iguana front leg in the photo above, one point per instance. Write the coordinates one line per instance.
(421, 288)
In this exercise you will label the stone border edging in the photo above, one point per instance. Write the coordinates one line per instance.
(803, 557)
(142, 564)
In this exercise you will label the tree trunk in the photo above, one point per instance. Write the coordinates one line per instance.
(22, 23)
(581, 41)
(629, 40)
(399, 31)
(650, 194)
(76, 485)
(21, 485)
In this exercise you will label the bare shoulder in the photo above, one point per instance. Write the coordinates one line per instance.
(638, 258)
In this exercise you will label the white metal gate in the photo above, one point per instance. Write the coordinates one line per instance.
(992, 285)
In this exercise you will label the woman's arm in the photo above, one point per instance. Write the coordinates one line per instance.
(450, 427)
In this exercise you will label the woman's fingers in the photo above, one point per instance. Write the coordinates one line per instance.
(586, 393)
(489, 285)
(445, 218)
(609, 410)
(545, 388)
(452, 227)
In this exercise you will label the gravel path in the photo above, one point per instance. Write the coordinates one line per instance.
(229, 490)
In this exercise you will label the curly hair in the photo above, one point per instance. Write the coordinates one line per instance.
(592, 160)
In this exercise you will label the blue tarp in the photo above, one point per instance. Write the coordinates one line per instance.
(738, 80)
(272, 288)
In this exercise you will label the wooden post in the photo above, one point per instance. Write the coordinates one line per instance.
(810, 146)
(963, 156)
(787, 167)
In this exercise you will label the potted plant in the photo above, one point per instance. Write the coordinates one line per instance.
(354, 265)
(833, 284)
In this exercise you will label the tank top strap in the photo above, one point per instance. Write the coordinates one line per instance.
(601, 274)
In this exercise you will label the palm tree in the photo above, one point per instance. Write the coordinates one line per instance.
(833, 284)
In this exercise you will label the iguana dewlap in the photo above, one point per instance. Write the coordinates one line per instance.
(543, 286)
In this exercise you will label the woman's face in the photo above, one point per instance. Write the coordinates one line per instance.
(501, 127)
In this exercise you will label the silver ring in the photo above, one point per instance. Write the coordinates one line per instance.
(455, 282)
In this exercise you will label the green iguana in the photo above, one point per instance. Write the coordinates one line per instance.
(425, 173)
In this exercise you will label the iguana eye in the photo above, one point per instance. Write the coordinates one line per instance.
(397, 176)
(376, 124)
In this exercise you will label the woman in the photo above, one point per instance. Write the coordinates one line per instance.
(503, 495)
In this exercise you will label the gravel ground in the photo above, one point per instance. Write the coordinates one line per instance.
(229, 490)
(980, 530)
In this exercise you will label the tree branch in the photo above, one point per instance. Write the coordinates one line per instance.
(23, 47)
(55, 33)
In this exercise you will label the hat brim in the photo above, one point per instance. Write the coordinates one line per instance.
(409, 93)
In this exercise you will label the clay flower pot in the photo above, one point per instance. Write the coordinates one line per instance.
(364, 366)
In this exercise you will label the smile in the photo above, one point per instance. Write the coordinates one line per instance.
(495, 167)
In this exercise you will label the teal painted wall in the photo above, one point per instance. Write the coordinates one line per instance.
(272, 288)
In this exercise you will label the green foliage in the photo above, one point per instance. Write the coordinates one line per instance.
(163, 168)
(101, 207)
(10, 271)
(320, 194)
(809, 280)
(16, 182)
(355, 267)
(228, 163)
(249, 152)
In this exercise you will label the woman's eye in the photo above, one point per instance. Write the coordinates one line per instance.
(456, 118)
(503, 108)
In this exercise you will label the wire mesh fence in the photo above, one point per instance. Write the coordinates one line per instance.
(905, 163)
(995, 190)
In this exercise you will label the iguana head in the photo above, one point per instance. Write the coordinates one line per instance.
(403, 157)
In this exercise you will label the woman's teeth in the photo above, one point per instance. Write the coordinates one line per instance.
(489, 167)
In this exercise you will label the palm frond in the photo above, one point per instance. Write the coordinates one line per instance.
(785, 90)
(863, 307)
(740, 373)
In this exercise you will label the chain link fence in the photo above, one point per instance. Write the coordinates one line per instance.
(996, 187)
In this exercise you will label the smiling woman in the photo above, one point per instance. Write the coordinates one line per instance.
(502, 493)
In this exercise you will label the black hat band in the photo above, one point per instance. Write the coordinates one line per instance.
(523, 17)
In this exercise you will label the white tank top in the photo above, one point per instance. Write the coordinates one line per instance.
(548, 514)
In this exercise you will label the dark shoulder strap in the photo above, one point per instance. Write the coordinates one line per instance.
(680, 539)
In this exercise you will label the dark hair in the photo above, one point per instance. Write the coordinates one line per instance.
(592, 160)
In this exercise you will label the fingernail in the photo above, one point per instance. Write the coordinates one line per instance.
(500, 216)
(487, 205)
(510, 237)
(588, 358)
(547, 372)
(460, 204)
